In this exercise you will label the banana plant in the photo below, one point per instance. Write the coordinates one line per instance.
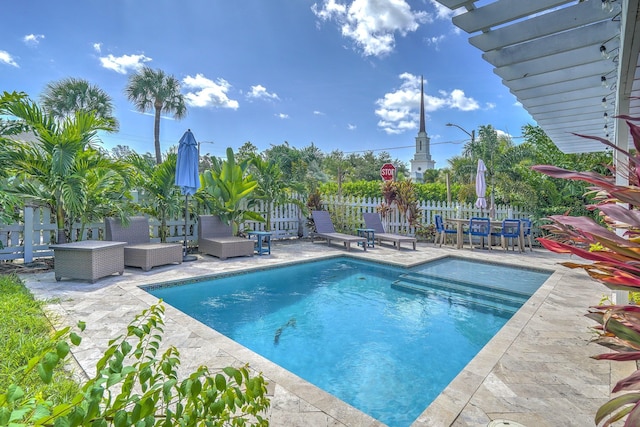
(227, 190)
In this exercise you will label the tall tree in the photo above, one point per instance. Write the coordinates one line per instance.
(154, 90)
(62, 98)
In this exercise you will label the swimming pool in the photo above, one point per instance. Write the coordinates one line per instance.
(351, 328)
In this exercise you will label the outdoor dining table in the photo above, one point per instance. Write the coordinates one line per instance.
(495, 224)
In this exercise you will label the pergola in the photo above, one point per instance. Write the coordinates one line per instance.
(572, 64)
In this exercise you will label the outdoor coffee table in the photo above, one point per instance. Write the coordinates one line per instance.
(88, 259)
(263, 241)
(369, 234)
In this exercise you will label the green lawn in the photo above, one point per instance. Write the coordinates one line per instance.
(25, 331)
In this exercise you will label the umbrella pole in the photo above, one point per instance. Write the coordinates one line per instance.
(186, 257)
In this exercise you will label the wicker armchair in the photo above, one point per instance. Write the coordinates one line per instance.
(139, 251)
(216, 238)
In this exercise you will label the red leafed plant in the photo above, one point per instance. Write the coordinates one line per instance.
(615, 261)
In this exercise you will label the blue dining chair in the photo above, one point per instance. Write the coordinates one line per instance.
(526, 227)
(442, 231)
(480, 227)
(510, 230)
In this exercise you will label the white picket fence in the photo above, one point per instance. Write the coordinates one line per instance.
(31, 238)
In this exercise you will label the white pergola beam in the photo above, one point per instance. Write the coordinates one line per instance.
(571, 17)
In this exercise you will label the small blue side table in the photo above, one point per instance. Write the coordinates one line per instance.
(263, 241)
(369, 234)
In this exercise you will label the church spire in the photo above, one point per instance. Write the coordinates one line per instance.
(422, 124)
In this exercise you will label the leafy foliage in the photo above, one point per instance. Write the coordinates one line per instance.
(224, 189)
(614, 261)
(136, 385)
(64, 97)
(25, 330)
(272, 188)
(54, 171)
(159, 197)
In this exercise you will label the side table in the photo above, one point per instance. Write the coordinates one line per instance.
(369, 234)
(263, 241)
(88, 259)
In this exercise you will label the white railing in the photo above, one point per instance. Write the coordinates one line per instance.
(31, 237)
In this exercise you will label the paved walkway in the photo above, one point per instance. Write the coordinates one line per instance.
(536, 371)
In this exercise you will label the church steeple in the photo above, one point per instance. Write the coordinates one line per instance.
(422, 123)
(422, 159)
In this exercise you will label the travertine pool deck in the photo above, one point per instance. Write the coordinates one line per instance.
(536, 371)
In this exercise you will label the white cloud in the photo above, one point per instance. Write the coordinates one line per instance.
(457, 100)
(372, 24)
(205, 92)
(435, 41)
(399, 110)
(282, 116)
(351, 127)
(442, 12)
(260, 92)
(32, 39)
(318, 113)
(122, 64)
(6, 58)
(97, 47)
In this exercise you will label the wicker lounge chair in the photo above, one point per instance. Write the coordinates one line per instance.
(326, 230)
(139, 251)
(216, 238)
(372, 220)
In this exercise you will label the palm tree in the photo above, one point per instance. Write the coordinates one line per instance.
(154, 90)
(64, 97)
(53, 171)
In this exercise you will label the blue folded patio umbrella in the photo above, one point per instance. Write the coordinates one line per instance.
(187, 177)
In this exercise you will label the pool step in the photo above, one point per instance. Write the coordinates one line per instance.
(449, 283)
(487, 296)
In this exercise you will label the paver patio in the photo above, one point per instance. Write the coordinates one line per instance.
(535, 371)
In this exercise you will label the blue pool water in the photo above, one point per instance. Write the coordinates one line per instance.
(386, 340)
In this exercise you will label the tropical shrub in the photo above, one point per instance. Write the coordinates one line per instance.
(227, 191)
(614, 261)
(432, 191)
(57, 170)
(135, 385)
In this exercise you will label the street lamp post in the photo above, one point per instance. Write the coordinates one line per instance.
(472, 134)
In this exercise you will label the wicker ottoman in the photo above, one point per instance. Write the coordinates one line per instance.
(226, 247)
(147, 255)
(88, 259)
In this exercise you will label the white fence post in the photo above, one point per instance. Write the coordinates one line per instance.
(28, 234)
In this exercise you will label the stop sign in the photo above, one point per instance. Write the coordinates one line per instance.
(388, 171)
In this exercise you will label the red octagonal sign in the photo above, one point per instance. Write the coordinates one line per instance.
(388, 171)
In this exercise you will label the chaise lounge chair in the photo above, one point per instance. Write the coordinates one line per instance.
(372, 220)
(326, 230)
(139, 251)
(216, 238)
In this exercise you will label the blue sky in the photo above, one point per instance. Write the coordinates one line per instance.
(344, 75)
